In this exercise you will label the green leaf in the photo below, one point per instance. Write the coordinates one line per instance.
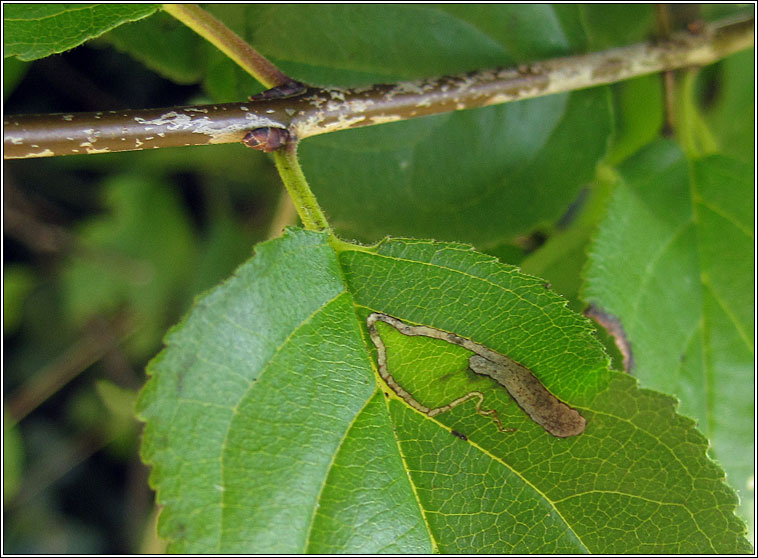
(163, 44)
(222, 382)
(269, 430)
(673, 261)
(611, 25)
(411, 38)
(561, 258)
(117, 422)
(730, 104)
(118, 400)
(33, 31)
(483, 176)
(224, 80)
(13, 73)
(18, 281)
(13, 458)
(638, 110)
(139, 254)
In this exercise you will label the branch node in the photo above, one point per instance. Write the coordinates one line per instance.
(290, 89)
(266, 139)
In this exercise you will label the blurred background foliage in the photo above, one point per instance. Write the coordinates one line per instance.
(101, 255)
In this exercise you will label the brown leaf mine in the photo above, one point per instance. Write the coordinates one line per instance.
(524, 387)
(535, 400)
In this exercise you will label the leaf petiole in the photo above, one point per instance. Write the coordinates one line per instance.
(307, 206)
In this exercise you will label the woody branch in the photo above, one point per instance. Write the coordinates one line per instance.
(323, 110)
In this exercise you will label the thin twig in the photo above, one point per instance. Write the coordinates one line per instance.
(324, 110)
(24, 222)
(663, 20)
(77, 358)
(58, 463)
(228, 42)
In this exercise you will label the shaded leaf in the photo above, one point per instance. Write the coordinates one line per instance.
(137, 255)
(413, 39)
(673, 261)
(729, 100)
(32, 31)
(18, 281)
(13, 458)
(482, 176)
(14, 71)
(638, 111)
(561, 258)
(611, 25)
(163, 44)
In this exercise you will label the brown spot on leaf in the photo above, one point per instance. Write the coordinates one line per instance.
(459, 435)
(613, 326)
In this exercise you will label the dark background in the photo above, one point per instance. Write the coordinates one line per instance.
(73, 479)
